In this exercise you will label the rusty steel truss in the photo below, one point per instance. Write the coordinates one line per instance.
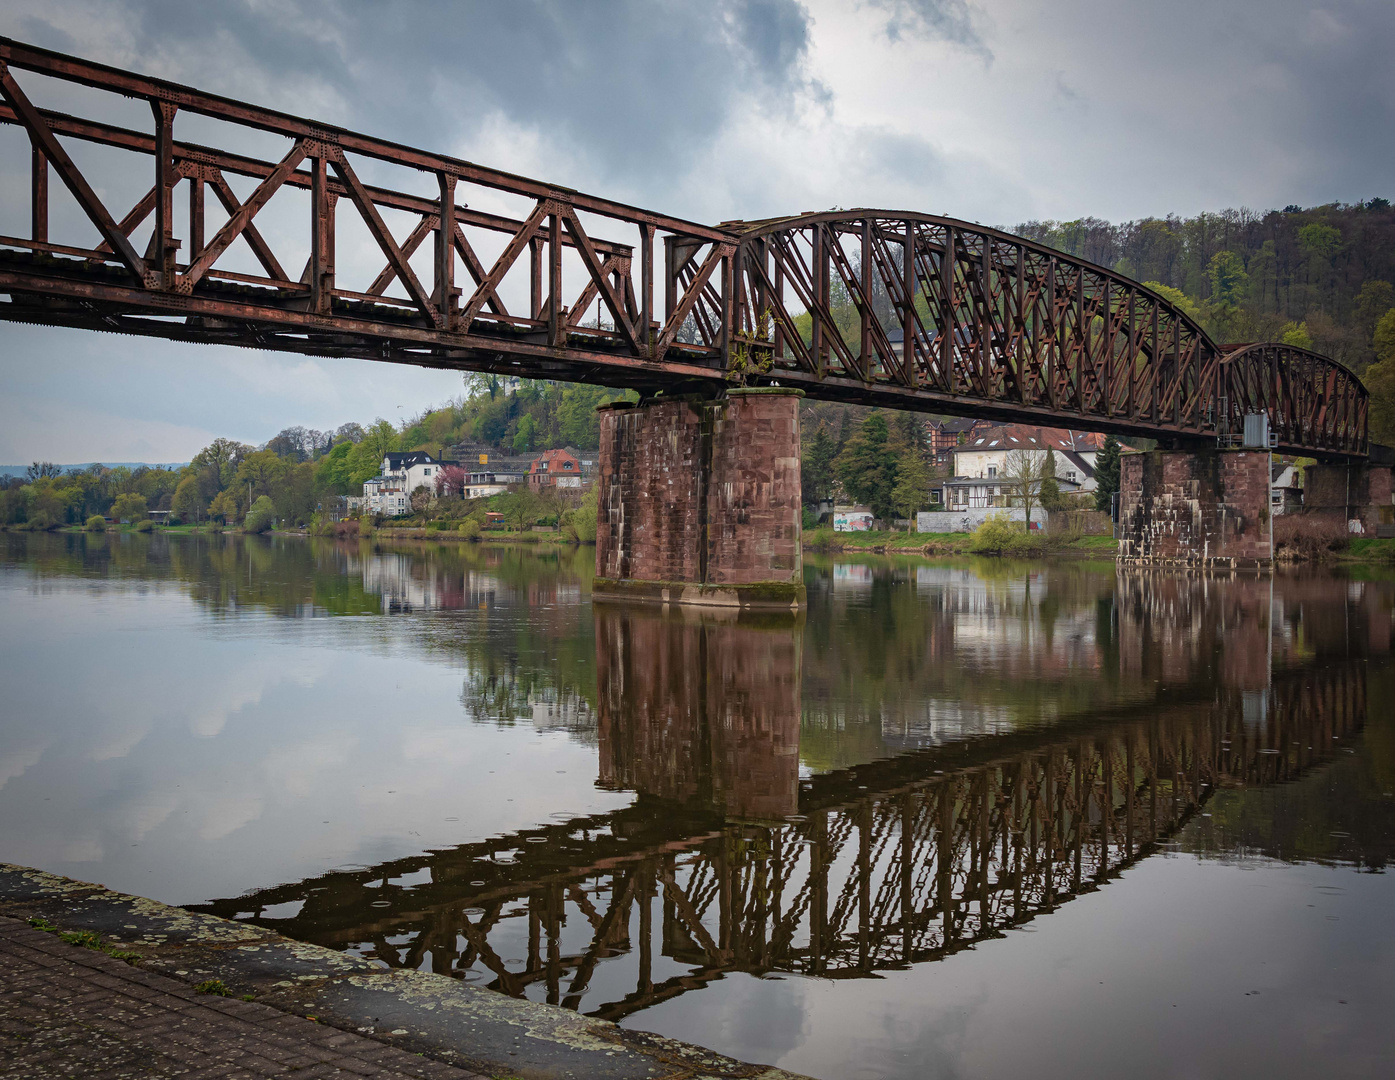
(877, 307)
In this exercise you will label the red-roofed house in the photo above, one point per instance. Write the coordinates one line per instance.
(559, 468)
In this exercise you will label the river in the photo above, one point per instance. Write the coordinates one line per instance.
(963, 817)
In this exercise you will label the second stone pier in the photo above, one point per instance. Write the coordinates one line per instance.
(698, 501)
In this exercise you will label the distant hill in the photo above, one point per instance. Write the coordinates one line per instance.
(19, 470)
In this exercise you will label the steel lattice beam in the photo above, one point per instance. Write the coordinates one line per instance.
(988, 324)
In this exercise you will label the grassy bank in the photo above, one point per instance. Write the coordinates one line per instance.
(937, 544)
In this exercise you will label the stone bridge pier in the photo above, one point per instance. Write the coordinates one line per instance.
(698, 501)
(1206, 508)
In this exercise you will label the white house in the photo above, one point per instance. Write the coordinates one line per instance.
(390, 493)
(415, 468)
(985, 456)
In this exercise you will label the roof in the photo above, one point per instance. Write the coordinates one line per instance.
(998, 481)
(405, 459)
(956, 424)
(1028, 437)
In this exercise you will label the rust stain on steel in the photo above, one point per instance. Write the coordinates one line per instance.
(946, 316)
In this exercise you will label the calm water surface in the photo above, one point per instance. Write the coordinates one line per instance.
(962, 818)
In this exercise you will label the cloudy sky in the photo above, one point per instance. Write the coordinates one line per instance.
(999, 111)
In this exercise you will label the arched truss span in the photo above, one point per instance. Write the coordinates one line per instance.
(1312, 401)
(926, 312)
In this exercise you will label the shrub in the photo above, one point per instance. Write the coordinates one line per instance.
(821, 539)
(1000, 535)
(811, 520)
(529, 538)
(262, 515)
(96, 523)
(145, 526)
(470, 529)
(1310, 537)
(346, 529)
(583, 522)
(215, 526)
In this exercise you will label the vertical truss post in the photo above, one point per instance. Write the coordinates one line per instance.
(864, 886)
(908, 315)
(820, 291)
(730, 270)
(163, 242)
(947, 311)
(864, 349)
(196, 222)
(777, 337)
(446, 291)
(646, 287)
(321, 237)
(38, 195)
(1053, 346)
(535, 276)
(556, 325)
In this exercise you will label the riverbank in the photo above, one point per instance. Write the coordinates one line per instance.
(935, 545)
(434, 1016)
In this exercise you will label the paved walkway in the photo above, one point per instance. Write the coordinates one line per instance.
(66, 1011)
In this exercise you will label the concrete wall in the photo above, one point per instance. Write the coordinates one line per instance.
(700, 492)
(970, 518)
(1205, 508)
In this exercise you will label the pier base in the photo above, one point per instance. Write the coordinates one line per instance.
(698, 502)
(1357, 496)
(1207, 509)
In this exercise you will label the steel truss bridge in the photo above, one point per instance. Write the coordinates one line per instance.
(877, 307)
(884, 865)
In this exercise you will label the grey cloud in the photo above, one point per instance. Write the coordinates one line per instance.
(626, 90)
(948, 20)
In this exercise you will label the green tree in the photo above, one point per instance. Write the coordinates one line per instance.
(584, 518)
(1226, 272)
(130, 507)
(262, 515)
(1373, 301)
(816, 467)
(1384, 336)
(1380, 384)
(263, 470)
(867, 466)
(188, 504)
(1296, 334)
(225, 507)
(1107, 474)
(523, 437)
(912, 489)
(1051, 497)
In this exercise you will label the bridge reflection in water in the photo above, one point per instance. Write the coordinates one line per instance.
(730, 861)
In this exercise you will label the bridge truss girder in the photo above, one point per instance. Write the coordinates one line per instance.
(990, 324)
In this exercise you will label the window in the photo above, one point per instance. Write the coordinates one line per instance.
(1070, 475)
(992, 470)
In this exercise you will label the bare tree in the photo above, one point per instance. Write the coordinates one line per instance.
(1023, 474)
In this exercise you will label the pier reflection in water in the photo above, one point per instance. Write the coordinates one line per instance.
(729, 861)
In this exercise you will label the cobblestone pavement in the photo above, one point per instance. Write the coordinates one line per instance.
(67, 1011)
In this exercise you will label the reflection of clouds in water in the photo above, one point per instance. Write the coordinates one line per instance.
(224, 815)
(298, 769)
(245, 687)
(15, 763)
(121, 736)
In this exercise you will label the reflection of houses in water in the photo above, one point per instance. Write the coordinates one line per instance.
(564, 710)
(944, 720)
(409, 584)
(1010, 623)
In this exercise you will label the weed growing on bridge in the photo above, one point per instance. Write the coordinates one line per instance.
(213, 986)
